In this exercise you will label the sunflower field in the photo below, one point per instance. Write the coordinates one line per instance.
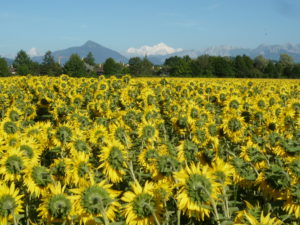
(149, 151)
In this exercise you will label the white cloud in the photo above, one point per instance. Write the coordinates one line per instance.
(159, 49)
(33, 52)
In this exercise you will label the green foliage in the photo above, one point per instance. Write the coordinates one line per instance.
(111, 67)
(89, 59)
(4, 69)
(49, 66)
(23, 64)
(75, 66)
(202, 66)
(139, 67)
(178, 66)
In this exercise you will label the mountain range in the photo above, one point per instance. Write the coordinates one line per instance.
(271, 52)
(101, 53)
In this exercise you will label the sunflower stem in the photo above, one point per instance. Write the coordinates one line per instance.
(106, 221)
(129, 164)
(212, 201)
(167, 215)
(227, 213)
(178, 216)
(27, 214)
(155, 217)
(132, 172)
(14, 217)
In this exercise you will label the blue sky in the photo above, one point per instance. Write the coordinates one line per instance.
(42, 25)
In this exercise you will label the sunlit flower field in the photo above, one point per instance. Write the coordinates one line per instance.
(149, 151)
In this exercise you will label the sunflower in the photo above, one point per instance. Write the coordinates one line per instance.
(164, 188)
(12, 164)
(56, 206)
(222, 171)
(94, 201)
(183, 123)
(76, 99)
(127, 97)
(61, 170)
(113, 161)
(97, 134)
(39, 131)
(199, 136)
(274, 182)
(65, 133)
(10, 203)
(245, 174)
(232, 104)
(292, 204)
(147, 131)
(8, 127)
(37, 178)
(142, 207)
(251, 152)
(148, 159)
(198, 190)
(77, 145)
(31, 149)
(148, 96)
(212, 131)
(188, 151)
(14, 114)
(120, 132)
(254, 215)
(80, 168)
(233, 126)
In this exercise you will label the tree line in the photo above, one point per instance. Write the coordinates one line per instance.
(175, 66)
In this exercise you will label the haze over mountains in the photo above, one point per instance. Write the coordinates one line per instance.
(158, 53)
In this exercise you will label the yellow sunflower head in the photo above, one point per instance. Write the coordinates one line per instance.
(56, 206)
(113, 160)
(10, 203)
(96, 200)
(197, 190)
(142, 207)
(12, 164)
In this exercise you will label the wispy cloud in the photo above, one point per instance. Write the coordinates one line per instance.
(33, 52)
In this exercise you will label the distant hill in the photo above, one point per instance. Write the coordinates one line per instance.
(99, 52)
(9, 61)
(268, 51)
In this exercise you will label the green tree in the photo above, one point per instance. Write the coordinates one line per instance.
(260, 62)
(75, 66)
(286, 62)
(202, 66)
(270, 70)
(111, 67)
(49, 66)
(177, 66)
(243, 66)
(135, 66)
(89, 59)
(22, 63)
(4, 68)
(147, 67)
(296, 71)
(223, 66)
